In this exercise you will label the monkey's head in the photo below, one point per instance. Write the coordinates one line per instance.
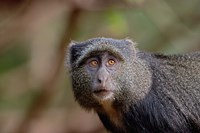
(105, 69)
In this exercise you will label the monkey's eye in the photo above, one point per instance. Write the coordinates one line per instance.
(93, 63)
(110, 62)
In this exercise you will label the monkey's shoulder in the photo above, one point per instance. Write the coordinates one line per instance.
(188, 57)
(187, 60)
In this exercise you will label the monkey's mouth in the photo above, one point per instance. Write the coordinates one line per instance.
(103, 93)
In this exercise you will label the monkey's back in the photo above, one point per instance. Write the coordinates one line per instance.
(176, 80)
(179, 75)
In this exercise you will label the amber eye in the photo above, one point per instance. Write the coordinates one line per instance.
(93, 63)
(111, 62)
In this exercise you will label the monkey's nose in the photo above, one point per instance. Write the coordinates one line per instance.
(102, 80)
(102, 77)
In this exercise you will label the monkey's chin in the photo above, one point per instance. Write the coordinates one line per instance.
(104, 95)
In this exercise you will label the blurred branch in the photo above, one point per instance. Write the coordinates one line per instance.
(94, 5)
(48, 87)
(8, 30)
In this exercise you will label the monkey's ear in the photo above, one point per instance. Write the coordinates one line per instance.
(133, 45)
(131, 42)
(69, 55)
(74, 52)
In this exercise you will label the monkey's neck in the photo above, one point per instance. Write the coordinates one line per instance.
(114, 115)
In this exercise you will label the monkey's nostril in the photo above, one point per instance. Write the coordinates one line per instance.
(99, 81)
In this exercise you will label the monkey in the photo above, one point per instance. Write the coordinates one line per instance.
(133, 91)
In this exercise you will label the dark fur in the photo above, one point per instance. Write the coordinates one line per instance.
(171, 104)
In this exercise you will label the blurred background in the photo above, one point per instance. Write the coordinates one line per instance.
(35, 90)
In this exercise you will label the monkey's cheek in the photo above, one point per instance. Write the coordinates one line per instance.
(104, 95)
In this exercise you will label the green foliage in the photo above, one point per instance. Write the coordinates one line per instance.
(12, 58)
(117, 23)
(23, 101)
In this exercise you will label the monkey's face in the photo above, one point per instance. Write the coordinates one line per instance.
(95, 81)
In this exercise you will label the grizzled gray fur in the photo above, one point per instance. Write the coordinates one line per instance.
(152, 93)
